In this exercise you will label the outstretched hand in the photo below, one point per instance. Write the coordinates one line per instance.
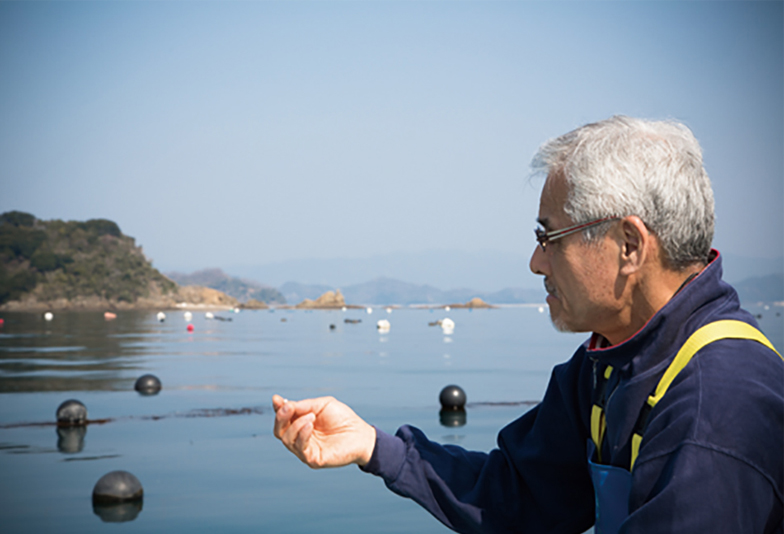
(323, 432)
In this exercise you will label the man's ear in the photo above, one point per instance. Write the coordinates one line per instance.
(635, 244)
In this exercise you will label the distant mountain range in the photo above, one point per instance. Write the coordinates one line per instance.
(768, 288)
(241, 289)
(488, 271)
(380, 291)
(388, 291)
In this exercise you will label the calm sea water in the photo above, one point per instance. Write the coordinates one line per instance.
(204, 466)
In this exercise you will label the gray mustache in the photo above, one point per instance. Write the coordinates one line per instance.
(550, 288)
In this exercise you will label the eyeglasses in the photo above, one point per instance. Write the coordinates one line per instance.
(543, 237)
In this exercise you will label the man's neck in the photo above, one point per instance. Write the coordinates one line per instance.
(650, 294)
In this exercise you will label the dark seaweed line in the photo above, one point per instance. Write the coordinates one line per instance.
(507, 403)
(198, 412)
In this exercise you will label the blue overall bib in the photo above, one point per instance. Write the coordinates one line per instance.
(612, 485)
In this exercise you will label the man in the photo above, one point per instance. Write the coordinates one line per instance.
(649, 427)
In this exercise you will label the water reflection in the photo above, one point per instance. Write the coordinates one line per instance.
(78, 351)
(452, 418)
(70, 440)
(118, 513)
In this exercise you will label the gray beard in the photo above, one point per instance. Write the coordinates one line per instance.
(559, 324)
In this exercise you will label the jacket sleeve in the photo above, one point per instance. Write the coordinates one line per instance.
(536, 480)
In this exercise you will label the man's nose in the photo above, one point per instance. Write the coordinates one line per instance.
(539, 263)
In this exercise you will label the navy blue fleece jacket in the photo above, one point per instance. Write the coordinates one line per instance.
(711, 459)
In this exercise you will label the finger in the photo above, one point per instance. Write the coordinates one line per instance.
(277, 402)
(291, 437)
(289, 411)
(304, 406)
(306, 430)
(283, 419)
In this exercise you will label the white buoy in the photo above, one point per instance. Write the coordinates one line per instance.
(447, 308)
(447, 325)
(236, 310)
(188, 315)
(383, 326)
(209, 315)
(343, 308)
(48, 316)
(389, 310)
(541, 309)
(369, 310)
(161, 317)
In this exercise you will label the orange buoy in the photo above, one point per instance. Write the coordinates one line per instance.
(190, 328)
(109, 316)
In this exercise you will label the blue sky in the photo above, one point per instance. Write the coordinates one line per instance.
(224, 133)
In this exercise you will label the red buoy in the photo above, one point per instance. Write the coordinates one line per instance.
(2, 321)
(190, 328)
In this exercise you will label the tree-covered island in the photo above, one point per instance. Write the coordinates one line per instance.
(83, 265)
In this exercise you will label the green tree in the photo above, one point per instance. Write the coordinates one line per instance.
(14, 286)
(17, 218)
(19, 241)
(102, 227)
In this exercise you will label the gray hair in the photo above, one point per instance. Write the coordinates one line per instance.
(625, 166)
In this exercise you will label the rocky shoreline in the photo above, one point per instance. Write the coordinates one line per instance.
(185, 297)
(195, 298)
(331, 300)
(475, 302)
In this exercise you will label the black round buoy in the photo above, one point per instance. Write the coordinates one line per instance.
(70, 440)
(117, 487)
(452, 418)
(332, 327)
(71, 413)
(452, 398)
(148, 385)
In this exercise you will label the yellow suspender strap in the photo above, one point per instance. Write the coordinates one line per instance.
(709, 333)
(597, 418)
